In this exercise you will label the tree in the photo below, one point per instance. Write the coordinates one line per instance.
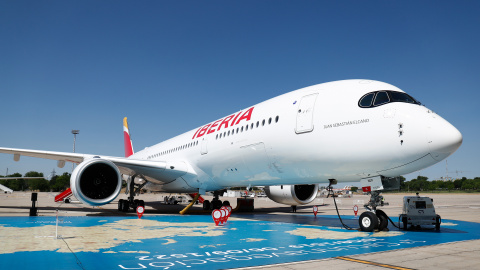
(468, 184)
(449, 185)
(402, 183)
(33, 174)
(457, 184)
(60, 183)
(14, 184)
(419, 184)
(37, 184)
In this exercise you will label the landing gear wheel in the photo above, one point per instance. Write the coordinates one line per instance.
(137, 203)
(125, 206)
(383, 220)
(206, 205)
(120, 205)
(226, 203)
(368, 221)
(216, 204)
(438, 220)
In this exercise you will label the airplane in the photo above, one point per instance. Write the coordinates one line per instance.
(342, 131)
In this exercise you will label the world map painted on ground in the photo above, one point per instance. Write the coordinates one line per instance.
(174, 242)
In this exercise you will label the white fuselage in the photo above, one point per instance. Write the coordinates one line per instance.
(306, 137)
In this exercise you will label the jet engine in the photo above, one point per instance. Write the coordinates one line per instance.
(96, 181)
(292, 194)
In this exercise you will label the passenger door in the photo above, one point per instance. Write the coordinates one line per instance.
(305, 114)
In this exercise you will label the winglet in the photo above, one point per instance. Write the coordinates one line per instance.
(126, 139)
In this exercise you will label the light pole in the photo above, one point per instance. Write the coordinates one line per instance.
(74, 132)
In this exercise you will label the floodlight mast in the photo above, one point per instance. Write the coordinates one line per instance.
(74, 132)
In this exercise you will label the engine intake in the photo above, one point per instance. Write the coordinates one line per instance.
(96, 182)
(292, 194)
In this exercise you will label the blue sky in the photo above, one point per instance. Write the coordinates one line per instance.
(171, 66)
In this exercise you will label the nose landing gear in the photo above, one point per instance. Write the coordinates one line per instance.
(372, 219)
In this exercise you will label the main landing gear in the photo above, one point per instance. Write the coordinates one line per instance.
(125, 205)
(216, 203)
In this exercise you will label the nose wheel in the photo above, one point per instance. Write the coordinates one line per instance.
(368, 221)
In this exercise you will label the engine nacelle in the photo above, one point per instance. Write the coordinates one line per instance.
(96, 181)
(292, 194)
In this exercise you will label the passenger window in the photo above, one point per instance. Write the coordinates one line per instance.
(258, 123)
(263, 122)
(269, 120)
(366, 101)
(381, 98)
(276, 119)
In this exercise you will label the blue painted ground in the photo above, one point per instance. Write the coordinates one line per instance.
(260, 240)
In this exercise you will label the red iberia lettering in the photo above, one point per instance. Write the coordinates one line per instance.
(212, 129)
(196, 133)
(225, 121)
(246, 115)
(203, 131)
(235, 119)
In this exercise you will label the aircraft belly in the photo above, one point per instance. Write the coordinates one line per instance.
(179, 185)
(239, 166)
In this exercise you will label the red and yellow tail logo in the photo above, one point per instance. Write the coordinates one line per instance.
(126, 139)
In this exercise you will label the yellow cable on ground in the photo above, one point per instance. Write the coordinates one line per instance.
(190, 204)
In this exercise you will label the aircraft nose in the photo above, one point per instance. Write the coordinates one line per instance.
(443, 138)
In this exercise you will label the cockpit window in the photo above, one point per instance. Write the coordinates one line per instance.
(402, 97)
(379, 98)
(366, 101)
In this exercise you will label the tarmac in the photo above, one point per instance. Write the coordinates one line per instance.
(452, 255)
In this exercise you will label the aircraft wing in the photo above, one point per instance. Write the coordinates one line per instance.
(60, 156)
(16, 178)
(156, 171)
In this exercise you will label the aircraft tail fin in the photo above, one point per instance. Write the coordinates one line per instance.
(126, 139)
